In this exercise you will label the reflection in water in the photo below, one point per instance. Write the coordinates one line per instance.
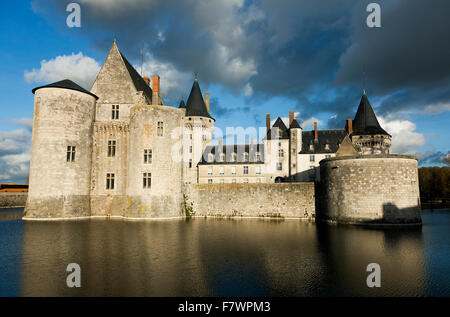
(217, 258)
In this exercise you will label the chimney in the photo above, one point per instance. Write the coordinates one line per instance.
(147, 80)
(251, 141)
(207, 101)
(315, 131)
(220, 145)
(155, 87)
(349, 126)
(291, 117)
(267, 123)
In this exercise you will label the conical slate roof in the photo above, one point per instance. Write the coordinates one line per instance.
(67, 84)
(365, 122)
(182, 104)
(282, 127)
(195, 106)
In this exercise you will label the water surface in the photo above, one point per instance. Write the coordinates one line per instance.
(213, 257)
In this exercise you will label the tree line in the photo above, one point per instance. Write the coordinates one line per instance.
(434, 183)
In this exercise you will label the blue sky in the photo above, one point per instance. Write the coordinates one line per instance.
(254, 57)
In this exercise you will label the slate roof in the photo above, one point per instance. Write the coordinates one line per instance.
(182, 104)
(294, 125)
(228, 150)
(196, 106)
(67, 84)
(365, 122)
(282, 127)
(331, 137)
(137, 79)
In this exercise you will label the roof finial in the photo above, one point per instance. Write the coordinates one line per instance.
(114, 39)
(196, 75)
(364, 80)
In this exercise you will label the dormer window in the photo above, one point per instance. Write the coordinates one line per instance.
(327, 146)
(246, 156)
(311, 147)
(210, 158)
(222, 157)
(258, 156)
(233, 157)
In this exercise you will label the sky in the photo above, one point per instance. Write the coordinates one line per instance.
(254, 57)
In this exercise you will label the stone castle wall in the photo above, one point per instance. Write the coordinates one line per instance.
(288, 200)
(379, 189)
(58, 188)
(13, 200)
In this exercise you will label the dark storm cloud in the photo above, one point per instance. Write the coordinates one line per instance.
(311, 51)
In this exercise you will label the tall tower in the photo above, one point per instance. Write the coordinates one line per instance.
(197, 134)
(367, 135)
(61, 151)
(295, 145)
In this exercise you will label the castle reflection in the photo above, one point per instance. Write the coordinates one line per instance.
(218, 258)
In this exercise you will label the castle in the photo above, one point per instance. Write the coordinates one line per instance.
(118, 151)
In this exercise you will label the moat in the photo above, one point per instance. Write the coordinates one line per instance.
(214, 257)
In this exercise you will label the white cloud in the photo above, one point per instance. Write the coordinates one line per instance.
(174, 83)
(76, 67)
(436, 108)
(404, 137)
(248, 90)
(14, 155)
(309, 123)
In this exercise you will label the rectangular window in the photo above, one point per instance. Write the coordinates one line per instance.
(311, 158)
(111, 148)
(190, 149)
(210, 170)
(279, 166)
(245, 170)
(258, 170)
(233, 170)
(115, 112)
(70, 153)
(147, 180)
(148, 156)
(222, 171)
(210, 181)
(327, 156)
(160, 128)
(204, 137)
(110, 180)
(190, 163)
(190, 136)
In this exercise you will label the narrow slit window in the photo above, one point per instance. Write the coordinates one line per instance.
(111, 148)
(110, 181)
(115, 112)
(160, 128)
(148, 156)
(147, 180)
(70, 153)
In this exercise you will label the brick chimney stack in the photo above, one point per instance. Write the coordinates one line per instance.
(156, 97)
(220, 144)
(207, 101)
(147, 80)
(315, 131)
(267, 123)
(349, 126)
(291, 117)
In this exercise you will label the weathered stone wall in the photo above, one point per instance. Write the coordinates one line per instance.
(288, 200)
(57, 188)
(379, 189)
(13, 200)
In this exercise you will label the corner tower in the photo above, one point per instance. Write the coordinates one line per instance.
(198, 129)
(366, 134)
(61, 151)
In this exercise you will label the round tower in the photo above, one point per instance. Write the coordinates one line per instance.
(61, 151)
(154, 185)
(370, 190)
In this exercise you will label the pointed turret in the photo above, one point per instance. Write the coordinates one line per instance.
(365, 122)
(196, 106)
(282, 130)
(182, 104)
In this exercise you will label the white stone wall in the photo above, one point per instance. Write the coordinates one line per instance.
(58, 188)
